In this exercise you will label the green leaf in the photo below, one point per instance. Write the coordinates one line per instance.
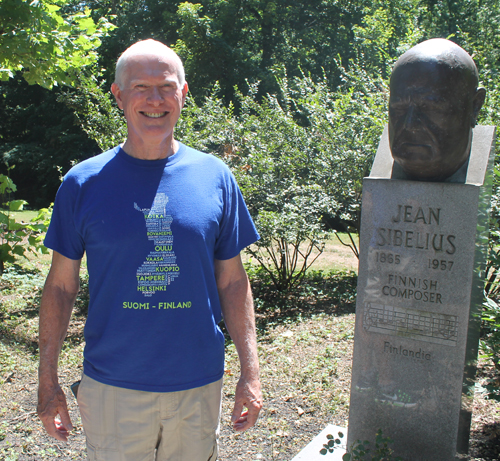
(16, 205)
(18, 250)
(6, 184)
(14, 226)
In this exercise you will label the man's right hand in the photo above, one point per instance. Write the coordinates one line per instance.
(53, 411)
(59, 294)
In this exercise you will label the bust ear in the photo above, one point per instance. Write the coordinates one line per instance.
(477, 103)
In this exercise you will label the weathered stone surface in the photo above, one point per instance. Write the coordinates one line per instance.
(419, 294)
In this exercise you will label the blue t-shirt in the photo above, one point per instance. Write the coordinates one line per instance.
(151, 231)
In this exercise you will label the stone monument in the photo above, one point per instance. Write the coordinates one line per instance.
(423, 239)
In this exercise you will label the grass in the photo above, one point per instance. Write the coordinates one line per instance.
(305, 370)
(335, 256)
(24, 215)
(305, 349)
(291, 356)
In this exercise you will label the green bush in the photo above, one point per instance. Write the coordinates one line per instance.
(19, 238)
(299, 158)
(490, 344)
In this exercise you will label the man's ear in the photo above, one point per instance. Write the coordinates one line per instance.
(184, 91)
(477, 103)
(117, 93)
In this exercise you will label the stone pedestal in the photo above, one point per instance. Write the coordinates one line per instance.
(419, 296)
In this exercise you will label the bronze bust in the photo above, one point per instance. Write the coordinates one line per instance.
(433, 106)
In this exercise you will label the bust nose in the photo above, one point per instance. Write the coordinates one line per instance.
(412, 118)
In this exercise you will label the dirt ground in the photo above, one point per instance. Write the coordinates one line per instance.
(305, 356)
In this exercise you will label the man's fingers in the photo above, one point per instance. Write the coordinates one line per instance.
(246, 420)
(61, 432)
(55, 429)
(53, 412)
(237, 412)
(241, 423)
(65, 420)
(243, 420)
(253, 412)
(248, 395)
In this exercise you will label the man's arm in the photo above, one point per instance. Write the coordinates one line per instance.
(237, 308)
(59, 294)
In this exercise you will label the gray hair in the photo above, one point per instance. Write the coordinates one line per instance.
(148, 47)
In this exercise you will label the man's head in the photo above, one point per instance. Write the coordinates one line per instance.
(144, 48)
(150, 88)
(433, 106)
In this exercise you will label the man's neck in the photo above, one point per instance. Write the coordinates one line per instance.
(151, 152)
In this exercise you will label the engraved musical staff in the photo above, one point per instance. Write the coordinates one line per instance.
(423, 325)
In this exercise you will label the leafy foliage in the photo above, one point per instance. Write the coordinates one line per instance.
(41, 136)
(490, 343)
(299, 172)
(360, 450)
(329, 446)
(235, 42)
(492, 272)
(18, 238)
(47, 47)
(96, 112)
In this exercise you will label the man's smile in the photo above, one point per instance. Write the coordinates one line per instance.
(154, 114)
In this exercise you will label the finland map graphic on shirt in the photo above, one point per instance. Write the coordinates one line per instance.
(160, 268)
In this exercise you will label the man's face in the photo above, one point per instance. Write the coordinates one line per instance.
(430, 120)
(150, 98)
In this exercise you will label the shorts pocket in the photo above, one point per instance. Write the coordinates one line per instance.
(91, 456)
(96, 454)
(215, 451)
(210, 410)
(97, 403)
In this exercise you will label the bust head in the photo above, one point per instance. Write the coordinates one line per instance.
(433, 106)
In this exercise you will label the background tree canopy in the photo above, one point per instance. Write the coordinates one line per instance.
(300, 86)
(292, 95)
(45, 45)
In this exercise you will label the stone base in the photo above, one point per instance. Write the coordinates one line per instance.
(311, 451)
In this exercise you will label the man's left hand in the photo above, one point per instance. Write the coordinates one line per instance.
(249, 396)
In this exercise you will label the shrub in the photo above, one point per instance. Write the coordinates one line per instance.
(19, 238)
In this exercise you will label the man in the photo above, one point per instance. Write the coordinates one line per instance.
(162, 226)
(433, 106)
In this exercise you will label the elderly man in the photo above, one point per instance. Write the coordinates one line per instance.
(162, 226)
(433, 106)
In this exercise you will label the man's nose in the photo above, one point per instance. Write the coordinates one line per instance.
(155, 97)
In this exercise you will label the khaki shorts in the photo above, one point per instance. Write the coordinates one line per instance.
(127, 425)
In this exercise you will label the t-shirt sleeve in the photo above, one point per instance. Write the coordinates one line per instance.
(237, 229)
(62, 235)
